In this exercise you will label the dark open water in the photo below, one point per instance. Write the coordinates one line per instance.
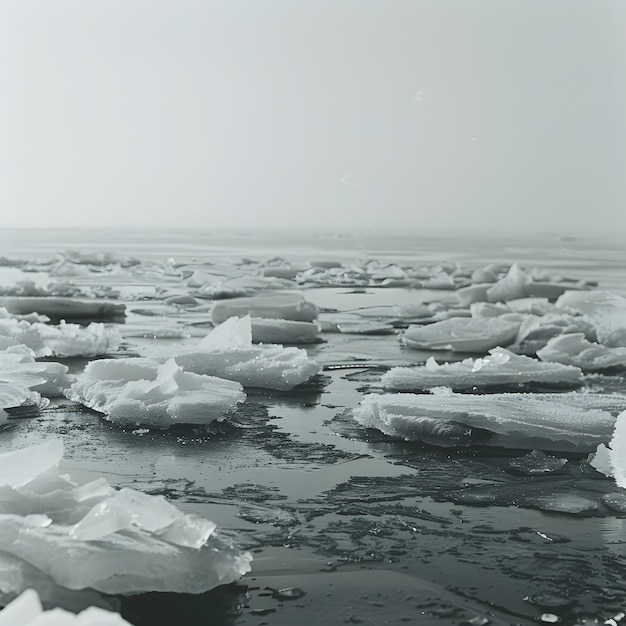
(375, 531)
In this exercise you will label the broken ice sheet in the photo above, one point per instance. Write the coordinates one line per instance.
(574, 349)
(136, 392)
(64, 340)
(228, 352)
(96, 537)
(500, 368)
(463, 334)
(26, 610)
(17, 363)
(568, 422)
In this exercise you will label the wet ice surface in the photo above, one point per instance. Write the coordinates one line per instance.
(369, 527)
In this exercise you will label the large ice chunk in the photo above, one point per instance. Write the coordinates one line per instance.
(574, 349)
(463, 334)
(100, 538)
(289, 306)
(500, 368)
(64, 340)
(561, 422)
(606, 311)
(136, 391)
(227, 351)
(26, 610)
(266, 330)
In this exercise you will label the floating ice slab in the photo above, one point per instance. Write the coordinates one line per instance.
(64, 340)
(574, 349)
(463, 334)
(284, 331)
(140, 392)
(227, 351)
(500, 368)
(100, 538)
(282, 306)
(559, 422)
(26, 610)
(64, 308)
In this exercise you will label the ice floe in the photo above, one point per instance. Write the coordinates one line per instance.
(559, 422)
(500, 368)
(266, 330)
(135, 391)
(574, 349)
(26, 610)
(463, 334)
(228, 352)
(57, 534)
(281, 306)
(63, 340)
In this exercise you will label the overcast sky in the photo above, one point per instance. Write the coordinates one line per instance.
(425, 114)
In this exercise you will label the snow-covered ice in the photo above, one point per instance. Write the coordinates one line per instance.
(501, 367)
(227, 351)
(100, 538)
(559, 422)
(463, 334)
(137, 391)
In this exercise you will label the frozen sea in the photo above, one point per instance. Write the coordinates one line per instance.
(373, 530)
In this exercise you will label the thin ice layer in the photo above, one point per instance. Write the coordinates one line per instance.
(140, 392)
(560, 422)
(500, 368)
(26, 610)
(288, 306)
(64, 340)
(574, 349)
(97, 537)
(463, 334)
(227, 351)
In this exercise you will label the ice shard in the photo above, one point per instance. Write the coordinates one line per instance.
(289, 306)
(135, 391)
(574, 349)
(463, 334)
(501, 368)
(568, 422)
(617, 451)
(26, 610)
(100, 538)
(228, 352)
(64, 340)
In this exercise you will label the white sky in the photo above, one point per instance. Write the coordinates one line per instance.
(429, 114)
